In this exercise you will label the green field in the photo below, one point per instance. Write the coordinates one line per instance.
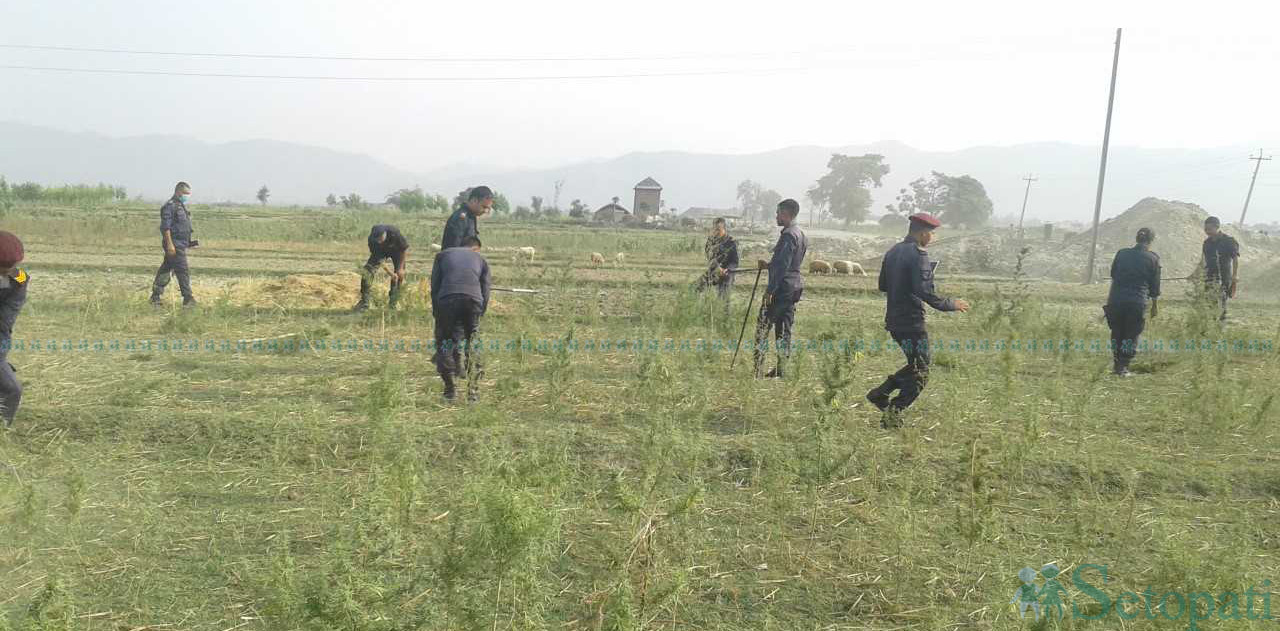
(307, 488)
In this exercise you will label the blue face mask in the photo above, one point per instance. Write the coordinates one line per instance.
(184, 198)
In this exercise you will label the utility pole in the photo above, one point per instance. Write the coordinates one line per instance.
(1259, 159)
(1102, 170)
(1028, 180)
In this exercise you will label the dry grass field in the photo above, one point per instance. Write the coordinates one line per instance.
(317, 480)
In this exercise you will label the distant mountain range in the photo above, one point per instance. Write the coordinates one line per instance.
(1216, 179)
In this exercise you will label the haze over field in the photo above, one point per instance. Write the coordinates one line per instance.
(299, 174)
(503, 91)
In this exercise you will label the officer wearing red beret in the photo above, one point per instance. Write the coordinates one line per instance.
(13, 294)
(906, 277)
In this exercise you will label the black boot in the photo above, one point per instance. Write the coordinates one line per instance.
(450, 392)
(1121, 368)
(879, 395)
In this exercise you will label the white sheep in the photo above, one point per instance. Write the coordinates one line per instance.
(847, 267)
(620, 258)
(435, 247)
(526, 253)
(597, 259)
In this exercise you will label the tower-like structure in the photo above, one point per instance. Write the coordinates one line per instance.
(648, 199)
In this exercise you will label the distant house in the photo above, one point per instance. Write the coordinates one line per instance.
(648, 199)
(613, 212)
(707, 215)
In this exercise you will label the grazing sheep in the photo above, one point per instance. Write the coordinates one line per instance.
(435, 247)
(847, 267)
(620, 258)
(819, 267)
(526, 253)
(597, 259)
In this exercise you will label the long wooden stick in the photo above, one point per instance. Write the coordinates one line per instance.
(745, 317)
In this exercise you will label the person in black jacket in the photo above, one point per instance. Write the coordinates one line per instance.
(778, 309)
(462, 223)
(459, 298)
(385, 242)
(722, 259)
(1135, 277)
(906, 277)
(13, 294)
(1220, 256)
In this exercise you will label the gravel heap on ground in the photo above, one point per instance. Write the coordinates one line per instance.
(1179, 230)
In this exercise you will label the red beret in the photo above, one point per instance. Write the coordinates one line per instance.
(10, 249)
(926, 219)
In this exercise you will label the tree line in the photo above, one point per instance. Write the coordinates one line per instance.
(844, 194)
(68, 194)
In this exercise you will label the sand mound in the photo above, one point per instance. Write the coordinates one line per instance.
(1179, 230)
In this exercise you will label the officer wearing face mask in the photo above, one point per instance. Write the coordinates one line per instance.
(175, 227)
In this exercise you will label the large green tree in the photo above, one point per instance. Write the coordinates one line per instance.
(844, 191)
(953, 200)
(768, 201)
(749, 197)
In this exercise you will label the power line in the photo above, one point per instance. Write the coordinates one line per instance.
(638, 75)
(1029, 179)
(1259, 159)
(1102, 169)
(682, 57)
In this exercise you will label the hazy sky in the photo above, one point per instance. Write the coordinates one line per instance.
(936, 75)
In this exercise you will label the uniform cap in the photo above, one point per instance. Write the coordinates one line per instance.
(10, 249)
(925, 219)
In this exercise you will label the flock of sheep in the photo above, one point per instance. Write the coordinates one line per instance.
(528, 253)
(816, 266)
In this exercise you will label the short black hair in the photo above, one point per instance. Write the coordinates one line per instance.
(1146, 235)
(790, 206)
(471, 242)
(719, 221)
(1213, 221)
(480, 192)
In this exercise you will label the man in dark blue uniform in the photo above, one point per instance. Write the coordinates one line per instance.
(1221, 260)
(13, 294)
(175, 231)
(1135, 276)
(907, 277)
(385, 242)
(462, 223)
(459, 298)
(786, 284)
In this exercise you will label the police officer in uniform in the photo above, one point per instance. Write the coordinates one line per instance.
(175, 229)
(1135, 276)
(13, 294)
(385, 242)
(462, 223)
(906, 277)
(1221, 260)
(722, 260)
(459, 298)
(786, 284)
